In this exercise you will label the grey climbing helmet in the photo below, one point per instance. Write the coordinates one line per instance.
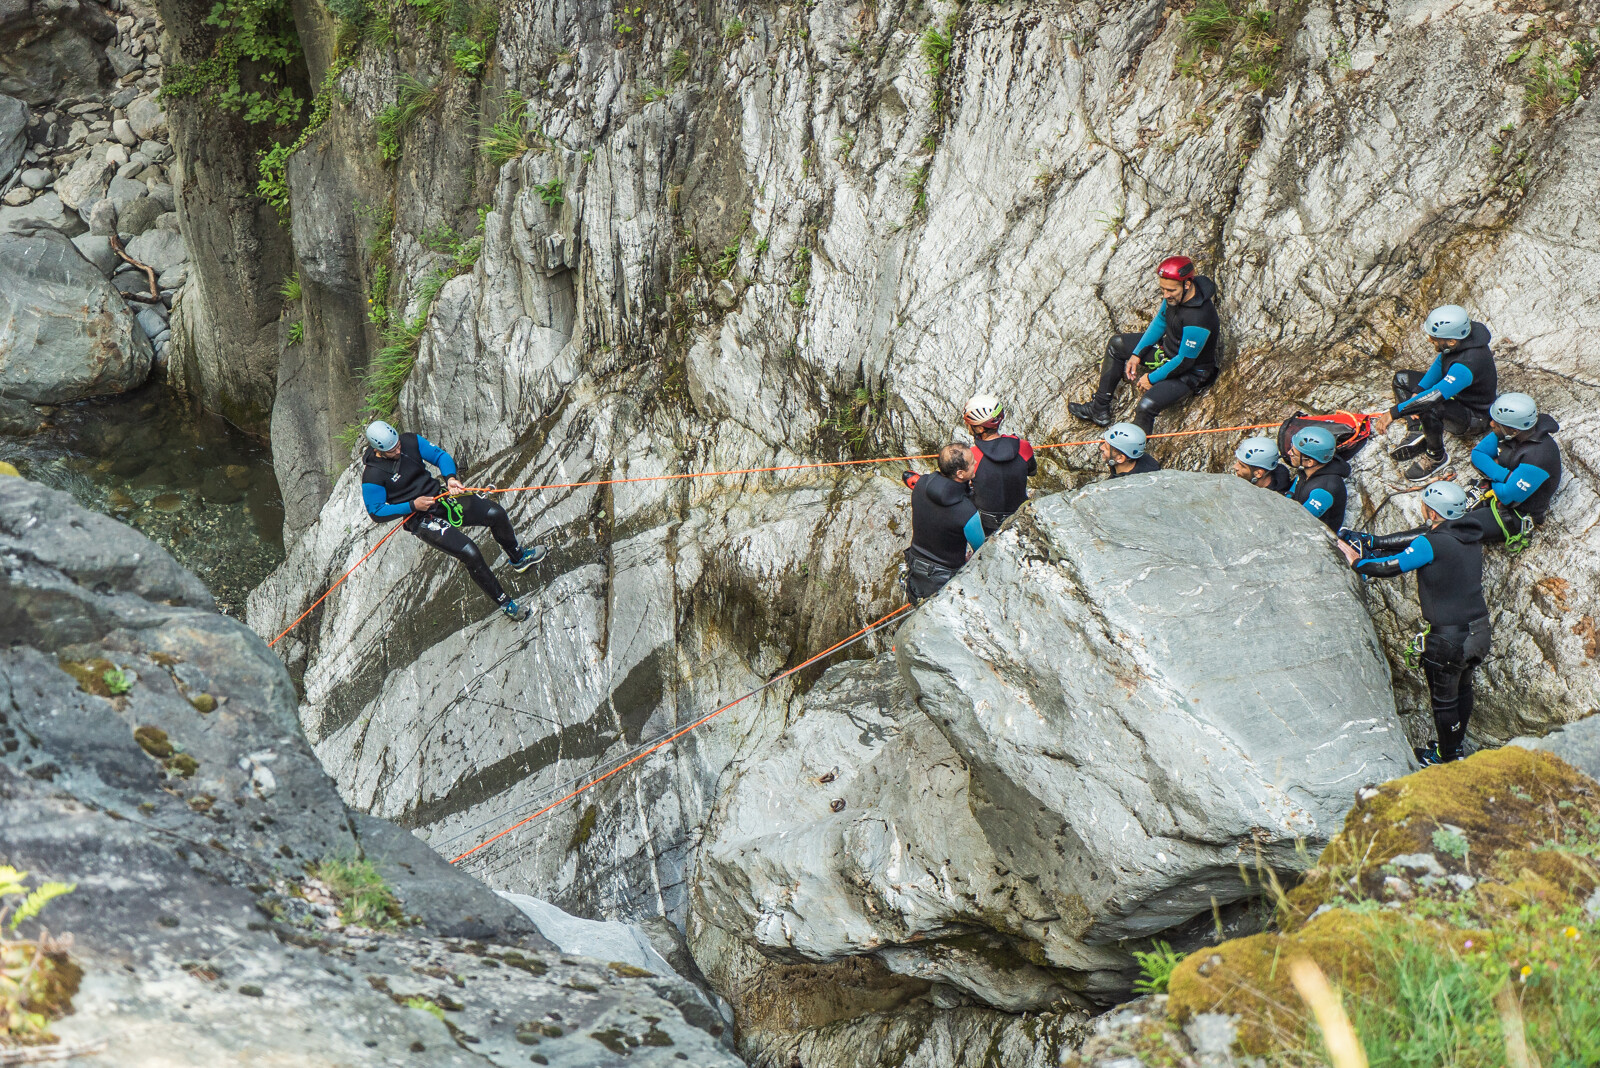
(1449, 321)
(1446, 498)
(1317, 442)
(1126, 439)
(382, 436)
(1514, 411)
(1257, 452)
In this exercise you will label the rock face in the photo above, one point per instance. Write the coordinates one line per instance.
(1076, 752)
(186, 809)
(65, 332)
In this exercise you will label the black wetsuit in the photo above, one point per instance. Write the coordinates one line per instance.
(1280, 479)
(1142, 466)
(1456, 389)
(1524, 471)
(944, 524)
(388, 486)
(1180, 349)
(1323, 493)
(1000, 481)
(1448, 561)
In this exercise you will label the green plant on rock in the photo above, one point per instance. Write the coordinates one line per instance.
(732, 29)
(551, 193)
(117, 681)
(1209, 24)
(352, 12)
(364, 898)
(509, 136)
(415, 97)
(378, 295)
(272, 166)
(260, 33)
(290, 289)
(916, 180)
(853, 420)
(297, 331)
(727, 261)
(678, 66)
(37, 980)
(650, 93)
(936, 46)
(469, 57)
(1549, 86)
(801, 284)
(1156, 968)
(391, 365)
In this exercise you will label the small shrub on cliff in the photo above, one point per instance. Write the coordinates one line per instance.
(509, 137)
(37, 980)
(1156, 968)
(415, 97)
(354, 12)
(364, 898)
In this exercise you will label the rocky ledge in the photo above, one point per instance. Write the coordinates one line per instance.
(227, 904)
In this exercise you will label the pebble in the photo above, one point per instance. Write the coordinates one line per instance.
(123, 132)
(18, 196)
(37, 178)
(167, 502)
(117, 154)
(84, 109)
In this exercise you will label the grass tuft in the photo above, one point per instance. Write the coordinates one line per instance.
(364, 898)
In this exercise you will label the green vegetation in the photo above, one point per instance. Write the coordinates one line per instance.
(259, 33)
(936, 46)
(917, 181)
(297, 331)
(463, 252)
(470, 57)
(733, 29)
(627, 20)
(415, 97)
(37, 980)
(273, 164)
(649, 93)
(853, 420)
(509, 137)
(1156, 968)
(678, 66)
(550, 193)
(1209, 24)
(290, 289)
(1244, 41)
(117, 681)
(378, 295)
(726, 262)
(426, 1005)
(801, 283)
(364, 898)
(1550, 85)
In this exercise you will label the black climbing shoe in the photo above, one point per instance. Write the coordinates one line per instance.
(1410, 450)
(514, 612)
(1090, 413)
(1423, 469)
(526, 558)
(1428, 755)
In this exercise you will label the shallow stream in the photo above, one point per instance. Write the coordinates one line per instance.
(190, 482)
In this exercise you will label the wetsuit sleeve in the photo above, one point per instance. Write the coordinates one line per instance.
(1153, 332)
(1025, 450)
(1418, 554)
(1483, 458)
(974, 531)
(1318, 501)
(1520, 484)
(1194, 339)
(377, 502)
(1437, 384)
(436, 456)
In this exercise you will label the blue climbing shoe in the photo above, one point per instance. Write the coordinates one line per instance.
(1428, 756)
(526, 558)
(514, 612)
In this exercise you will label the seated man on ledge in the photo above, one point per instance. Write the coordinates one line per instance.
(395, 482)
(944, 523)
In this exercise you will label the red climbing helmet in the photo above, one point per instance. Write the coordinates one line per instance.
(1177, 268)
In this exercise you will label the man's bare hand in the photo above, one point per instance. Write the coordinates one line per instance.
(1351, 553)
(1381, 422)
(1131, 369)
(1144, 382)
(454, 485)
(422, 504)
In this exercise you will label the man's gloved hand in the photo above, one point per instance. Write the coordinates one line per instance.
(910, 479)
(1359, 539)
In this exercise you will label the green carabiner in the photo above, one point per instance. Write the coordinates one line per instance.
(452, 510)
(1419, 642)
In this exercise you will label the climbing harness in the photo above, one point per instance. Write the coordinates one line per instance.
(452, 510)
(1418, 643)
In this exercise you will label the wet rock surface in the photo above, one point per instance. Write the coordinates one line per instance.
(153, 758)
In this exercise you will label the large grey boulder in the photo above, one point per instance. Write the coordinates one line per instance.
(1576, 743)
(13, 134)
(45, 210)
(187, 810)
(1154, 680)
(160, 249)
(65, 333)
(85, 184)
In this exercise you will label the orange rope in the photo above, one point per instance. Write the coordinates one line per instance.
(335, 586)
(669, 739)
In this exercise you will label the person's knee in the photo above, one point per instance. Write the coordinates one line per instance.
(468, 554)
(1148, 407)
(493, 513)
(1405, 384)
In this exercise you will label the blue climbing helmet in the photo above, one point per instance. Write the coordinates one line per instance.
(1126, 439)
(382, 436)
(1449, 321)
(1514, 411)
(1257, 452)
(1446, 498)
(1316, 442)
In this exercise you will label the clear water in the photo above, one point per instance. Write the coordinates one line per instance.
(197, 486)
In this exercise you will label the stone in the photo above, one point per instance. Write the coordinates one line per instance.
(1576, 743)
(123, 132)
(1212, 1034)
(1426, 863)
(37, 178)
(65, 333)
(174, 277)
(122, 63)
(162, 194)
(97, 250)
(103, 218)
(123, 191)
(78, 133)
(130, 281)
(605, 940)
(168, 220)
(158, 248)
(116, 155)
(18, 417)
(146, 117)
(254, 931)
(139, 215)
(1398, 888)
(18, 195)
(122, 97)
(85, 184)
(1127, 633)
(43, 210)
(152, 322)
(13, 133)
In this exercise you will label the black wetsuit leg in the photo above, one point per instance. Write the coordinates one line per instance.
(1430, 417)
(1157, 399)
(1114, 368)
(437, 532)
(1449, 656)
(479, 511)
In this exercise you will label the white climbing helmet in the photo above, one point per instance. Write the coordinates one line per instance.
(984, 410)
(1126, 439)
(1257, 452)
(1514, 411)
(1446, 498)
(1449, 321)
(382, 436)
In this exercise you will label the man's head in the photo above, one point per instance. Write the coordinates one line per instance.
(955, 461)
(1513, 414)
(983, 414)
(1255, 458)
(1444, 500)
(1447, 325)
(1311, 447)
(1123, 443)
(1175, 276)
(384, 439)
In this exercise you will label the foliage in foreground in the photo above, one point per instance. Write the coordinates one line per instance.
(37, 980)
(364, 898)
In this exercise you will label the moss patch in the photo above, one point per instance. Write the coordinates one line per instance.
(628, 971)
(154, 741)
(90, 674)
(585, 828)
(203, 703)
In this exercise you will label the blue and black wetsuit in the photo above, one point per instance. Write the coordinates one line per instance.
(1179, 348)
(1142, 466)
(944, 525)
(389, 485)
(1457, 389)
(1323, 493)
(1000, 480)
(1447, 559)
(1524, 471)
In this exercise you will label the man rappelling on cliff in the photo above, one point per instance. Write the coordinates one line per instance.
(395, 481)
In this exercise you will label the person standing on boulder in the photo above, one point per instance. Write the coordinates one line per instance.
(945, 523)
(1003, 462)
(1122, 449)
(1175, 357)
(1319, 475)
(1456, 389)
(395, 482)
(1256, 460)
(1521, 467)
(1447, 555)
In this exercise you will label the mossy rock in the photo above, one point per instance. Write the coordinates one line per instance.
(628, 971)
(90, 674)
(183, 765)
(203, 703)
(154, 741)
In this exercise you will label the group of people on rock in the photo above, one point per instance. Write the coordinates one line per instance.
(1518, 463)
